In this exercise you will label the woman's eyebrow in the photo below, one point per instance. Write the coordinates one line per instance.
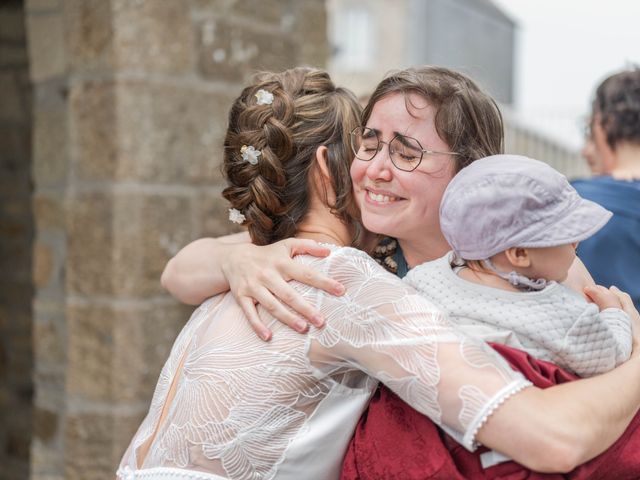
(403, 140)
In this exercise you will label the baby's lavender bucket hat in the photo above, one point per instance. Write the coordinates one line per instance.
(506, 201)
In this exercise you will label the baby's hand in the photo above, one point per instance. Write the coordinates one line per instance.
(602, 297)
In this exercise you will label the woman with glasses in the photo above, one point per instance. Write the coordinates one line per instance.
(419, 128)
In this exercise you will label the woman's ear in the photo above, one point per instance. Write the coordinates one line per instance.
(518, 257)
(322, 176)
(322, 162)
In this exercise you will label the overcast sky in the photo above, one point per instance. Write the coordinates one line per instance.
(564, 48)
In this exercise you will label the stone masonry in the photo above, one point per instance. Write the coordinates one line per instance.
(129, 107)
(16, 236)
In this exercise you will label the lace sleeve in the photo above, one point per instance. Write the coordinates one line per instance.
(385, 328)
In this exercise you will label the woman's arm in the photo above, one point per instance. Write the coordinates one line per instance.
(194, 273)
(559, 428)
(254, 274)
(383, 328)
(564, 426)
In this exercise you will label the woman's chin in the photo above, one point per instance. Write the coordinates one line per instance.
(379, 224)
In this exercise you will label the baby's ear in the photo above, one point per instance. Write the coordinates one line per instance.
(518, 257)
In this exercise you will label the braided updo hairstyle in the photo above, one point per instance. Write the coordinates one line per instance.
(617, 103)
(307, 112)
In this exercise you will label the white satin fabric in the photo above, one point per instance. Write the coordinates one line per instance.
(231, 405)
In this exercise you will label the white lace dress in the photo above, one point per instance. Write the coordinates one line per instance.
(228, 405)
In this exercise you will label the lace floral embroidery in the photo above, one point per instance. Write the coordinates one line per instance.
(239, 403)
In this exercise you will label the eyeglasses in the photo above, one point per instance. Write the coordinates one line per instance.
(406, 153)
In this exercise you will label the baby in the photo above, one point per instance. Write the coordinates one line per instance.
(513, 224)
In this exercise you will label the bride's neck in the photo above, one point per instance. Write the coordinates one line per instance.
(322, 237)
(323, 226)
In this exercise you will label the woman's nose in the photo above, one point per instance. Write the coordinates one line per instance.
(380, 166)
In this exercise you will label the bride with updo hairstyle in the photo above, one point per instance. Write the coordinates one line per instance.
(306, 111)
(231, 406)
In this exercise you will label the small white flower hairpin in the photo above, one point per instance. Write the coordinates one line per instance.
(236, 216)
(250, 154)
(264, 97)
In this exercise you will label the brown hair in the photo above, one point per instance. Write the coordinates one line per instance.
(617, 104)
(307, 112)
(467, 118)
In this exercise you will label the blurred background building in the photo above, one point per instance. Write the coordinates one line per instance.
(370, 38)
(111, 121)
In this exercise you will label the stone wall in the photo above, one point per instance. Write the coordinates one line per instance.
(16, 236)
(130, 105)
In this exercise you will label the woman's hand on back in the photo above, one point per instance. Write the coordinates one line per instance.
(260, 275)
(209, 266)
(603, 297)
(616, 298)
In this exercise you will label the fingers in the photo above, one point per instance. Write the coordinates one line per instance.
(594, 292)
(625, 299)
(300, 246)
(272, 289)
(602, 297)
(287, 294)
(250, 311)
(313, 278)
(261, 275)
(630, 309)
(266, 299)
